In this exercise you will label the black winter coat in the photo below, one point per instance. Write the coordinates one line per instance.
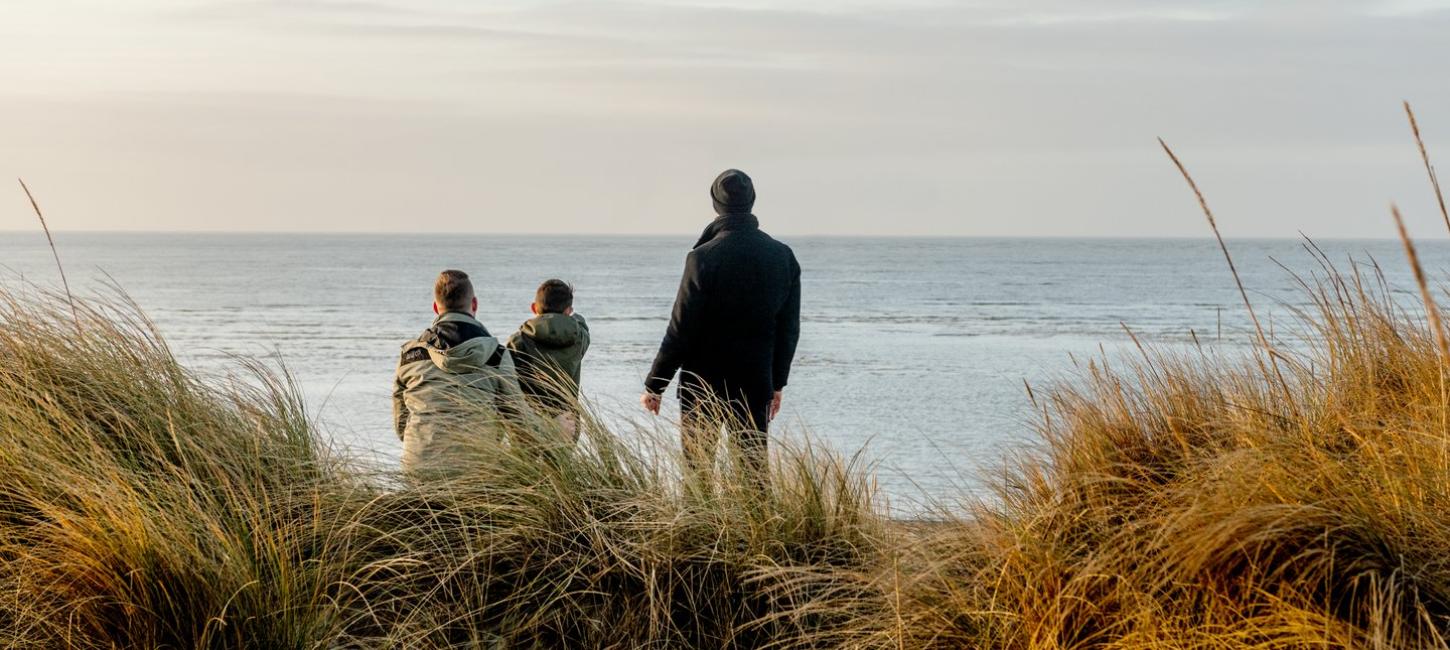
(736, 319)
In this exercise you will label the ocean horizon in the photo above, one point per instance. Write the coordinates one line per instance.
(916, 350)
(1429, 236)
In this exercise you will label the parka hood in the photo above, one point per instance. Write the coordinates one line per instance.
(457, 343)
(468, 357)
(555, 330)
(471, 356)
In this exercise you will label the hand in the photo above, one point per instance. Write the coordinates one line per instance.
(775, 404)
(569, 425)
(650, 402)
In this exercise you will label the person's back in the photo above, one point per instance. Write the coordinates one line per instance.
(454, 383)
(746, 274)
(733, 331)
(549, 349)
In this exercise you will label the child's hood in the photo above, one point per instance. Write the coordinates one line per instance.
(555, 330)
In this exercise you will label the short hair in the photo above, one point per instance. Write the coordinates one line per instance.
(554, 297)
(453, 291)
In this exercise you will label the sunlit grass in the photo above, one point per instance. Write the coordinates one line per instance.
(1296, 495)
(1175, 501)
(144, 507)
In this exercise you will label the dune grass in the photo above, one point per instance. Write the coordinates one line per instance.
(1295, 495)
(143, 506)
(1176, 500)
(1179, 502)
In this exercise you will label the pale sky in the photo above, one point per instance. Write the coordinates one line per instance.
(856, 117)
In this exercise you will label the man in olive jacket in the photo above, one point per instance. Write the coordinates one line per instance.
(454, 384)
(733, 332)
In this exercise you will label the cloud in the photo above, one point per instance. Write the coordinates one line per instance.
(235, 9)
(1408, 7)
(1041, 114)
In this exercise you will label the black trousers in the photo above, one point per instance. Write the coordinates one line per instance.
(708, 406)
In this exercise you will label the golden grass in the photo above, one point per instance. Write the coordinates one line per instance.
(1182, 499)
(144, 507)
(1178, 502)
(1175, 501)
(1429, 168)
(61, 267)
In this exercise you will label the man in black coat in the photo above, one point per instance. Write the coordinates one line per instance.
(733, 332)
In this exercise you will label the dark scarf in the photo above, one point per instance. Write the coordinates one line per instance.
(727, 222)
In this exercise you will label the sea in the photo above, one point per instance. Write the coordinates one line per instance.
(916, 354)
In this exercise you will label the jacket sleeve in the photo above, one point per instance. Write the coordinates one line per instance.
(400, 407)
(684, 323)
(511, 401)
(517, 355)
(530, 427)
(788, 328)
(584, 325)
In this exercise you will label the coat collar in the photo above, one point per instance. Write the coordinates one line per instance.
(456, 317)
(728, 223)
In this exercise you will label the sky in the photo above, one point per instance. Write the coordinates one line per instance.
(855, 117)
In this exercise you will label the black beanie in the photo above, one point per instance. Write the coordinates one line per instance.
(733, 193)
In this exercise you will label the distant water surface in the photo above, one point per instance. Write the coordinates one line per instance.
(917, 349)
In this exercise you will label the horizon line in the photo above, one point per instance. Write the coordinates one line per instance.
(908, 236)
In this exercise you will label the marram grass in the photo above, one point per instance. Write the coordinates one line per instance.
(142, 506)
(1181, 500)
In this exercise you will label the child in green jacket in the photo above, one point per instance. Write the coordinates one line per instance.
(549, 352)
